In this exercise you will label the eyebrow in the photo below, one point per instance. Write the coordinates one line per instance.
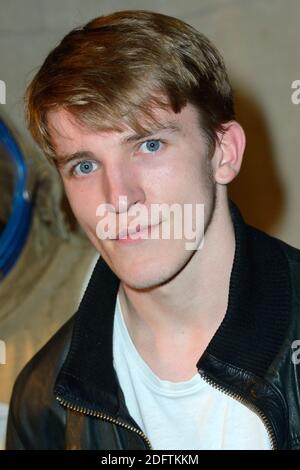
(172, 127)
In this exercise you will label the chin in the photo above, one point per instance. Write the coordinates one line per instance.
(141, 276)
(145, 283)
(152, 273)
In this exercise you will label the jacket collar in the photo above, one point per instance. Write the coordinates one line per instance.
(248, 338)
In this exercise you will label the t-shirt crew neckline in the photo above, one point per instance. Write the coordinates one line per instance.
(159, 386)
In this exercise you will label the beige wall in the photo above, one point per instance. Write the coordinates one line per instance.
(259, 40)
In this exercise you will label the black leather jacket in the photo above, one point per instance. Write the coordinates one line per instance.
(68, 396)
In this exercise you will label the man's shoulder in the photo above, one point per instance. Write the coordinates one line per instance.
(279, 256)
(32, 396)
(291, 252)
(46, 362)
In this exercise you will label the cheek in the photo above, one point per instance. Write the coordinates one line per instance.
(81, 211)
(82, 204)
(188, 178)
(163, 180)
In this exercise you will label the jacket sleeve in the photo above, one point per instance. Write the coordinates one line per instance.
(13, 439)
(36, 421)
(18, 409)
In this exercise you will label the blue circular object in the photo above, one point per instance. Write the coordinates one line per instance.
(14, 234)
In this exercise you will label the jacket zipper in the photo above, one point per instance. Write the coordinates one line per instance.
(247, 403)
(105, 417)
(205, 377)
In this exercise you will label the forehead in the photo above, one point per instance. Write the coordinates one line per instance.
(65, 130)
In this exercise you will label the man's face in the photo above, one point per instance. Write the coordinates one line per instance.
(166, 167)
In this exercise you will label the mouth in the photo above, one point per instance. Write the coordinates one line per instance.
(125, 233)
(126, 236)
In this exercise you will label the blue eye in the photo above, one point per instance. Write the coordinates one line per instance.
(152, 145)
(84, 167)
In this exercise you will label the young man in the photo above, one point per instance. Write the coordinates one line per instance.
(171, 348)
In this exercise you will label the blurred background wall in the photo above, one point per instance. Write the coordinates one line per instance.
(259, 40)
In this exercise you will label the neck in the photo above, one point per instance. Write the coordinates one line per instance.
(193, 304)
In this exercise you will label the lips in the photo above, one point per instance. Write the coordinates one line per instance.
(125, 233)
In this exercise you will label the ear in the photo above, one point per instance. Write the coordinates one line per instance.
(229, 152)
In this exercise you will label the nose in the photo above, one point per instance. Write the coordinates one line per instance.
(122, 187)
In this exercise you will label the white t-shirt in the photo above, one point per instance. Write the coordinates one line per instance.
(190, 415)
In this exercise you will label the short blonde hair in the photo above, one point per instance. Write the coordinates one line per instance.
(109, 73)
